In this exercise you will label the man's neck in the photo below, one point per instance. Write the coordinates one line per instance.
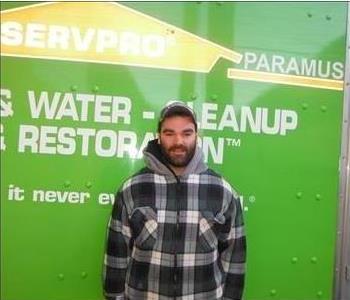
(177, 170)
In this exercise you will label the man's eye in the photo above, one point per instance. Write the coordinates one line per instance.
(188, 133)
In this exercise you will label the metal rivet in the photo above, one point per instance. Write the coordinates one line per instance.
(304, 106)
(299, 195)
(309, 15)
(323, 108)
(214, 97)
(314, 259)
(88, 184)
(170, 31)
(319, 294)
(318, 197)
(60, 276)
(83, 274)
(294, 260)
(273, 292)
(193, 97)
(67, 183)
(95, 89)
(73, 88)
(328, 18)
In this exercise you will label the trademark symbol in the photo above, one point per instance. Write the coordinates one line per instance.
(251, 199)
(233, 142)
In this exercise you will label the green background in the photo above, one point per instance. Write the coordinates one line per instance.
(289, 183)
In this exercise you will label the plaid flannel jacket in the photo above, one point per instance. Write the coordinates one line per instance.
(175, 237)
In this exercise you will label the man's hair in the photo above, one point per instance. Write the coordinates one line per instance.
(176, 109)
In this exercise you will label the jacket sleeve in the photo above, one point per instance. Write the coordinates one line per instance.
(232, 248)
(117, 251)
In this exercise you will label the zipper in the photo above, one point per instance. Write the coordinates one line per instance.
(176, 237)
(176, 233)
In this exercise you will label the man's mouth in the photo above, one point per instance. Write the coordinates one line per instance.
(178, 151)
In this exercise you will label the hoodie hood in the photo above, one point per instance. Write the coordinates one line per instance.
(155, 160)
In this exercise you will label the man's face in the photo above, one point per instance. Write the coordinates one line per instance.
(178, 140)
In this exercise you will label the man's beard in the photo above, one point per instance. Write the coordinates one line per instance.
(178, 160)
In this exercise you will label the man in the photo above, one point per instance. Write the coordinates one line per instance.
(176, 230)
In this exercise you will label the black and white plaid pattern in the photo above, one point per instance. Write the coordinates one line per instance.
(175, 238)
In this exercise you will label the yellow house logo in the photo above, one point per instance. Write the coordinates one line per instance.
(111, 33)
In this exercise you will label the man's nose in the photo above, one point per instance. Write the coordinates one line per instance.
(179, 140)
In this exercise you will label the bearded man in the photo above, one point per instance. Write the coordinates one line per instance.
(176, 229)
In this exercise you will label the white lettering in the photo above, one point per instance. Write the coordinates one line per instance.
(293, 65)
(105, 39)
(60, 197)
(153, 45)
(102, 106)
(67, 108)
(208, 114)
(127, 144)
(82, 43)
(67, 142)
(121, 109)
(47, 137)
(289, 121)
(85, 133)
(28, 137)
(129, 43)
(84, 99)
(107, 109)
(277, 63)
(338, 71)
(265, 122)
(58, 37)
(209, 148)
(68, 38)
(246, 115)
(11, 34)
(263, 63)
(228, 119)
(37, 106)
(105, 199)
(111, 140)
(308, 67)
(249, 59)
(35, 35)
